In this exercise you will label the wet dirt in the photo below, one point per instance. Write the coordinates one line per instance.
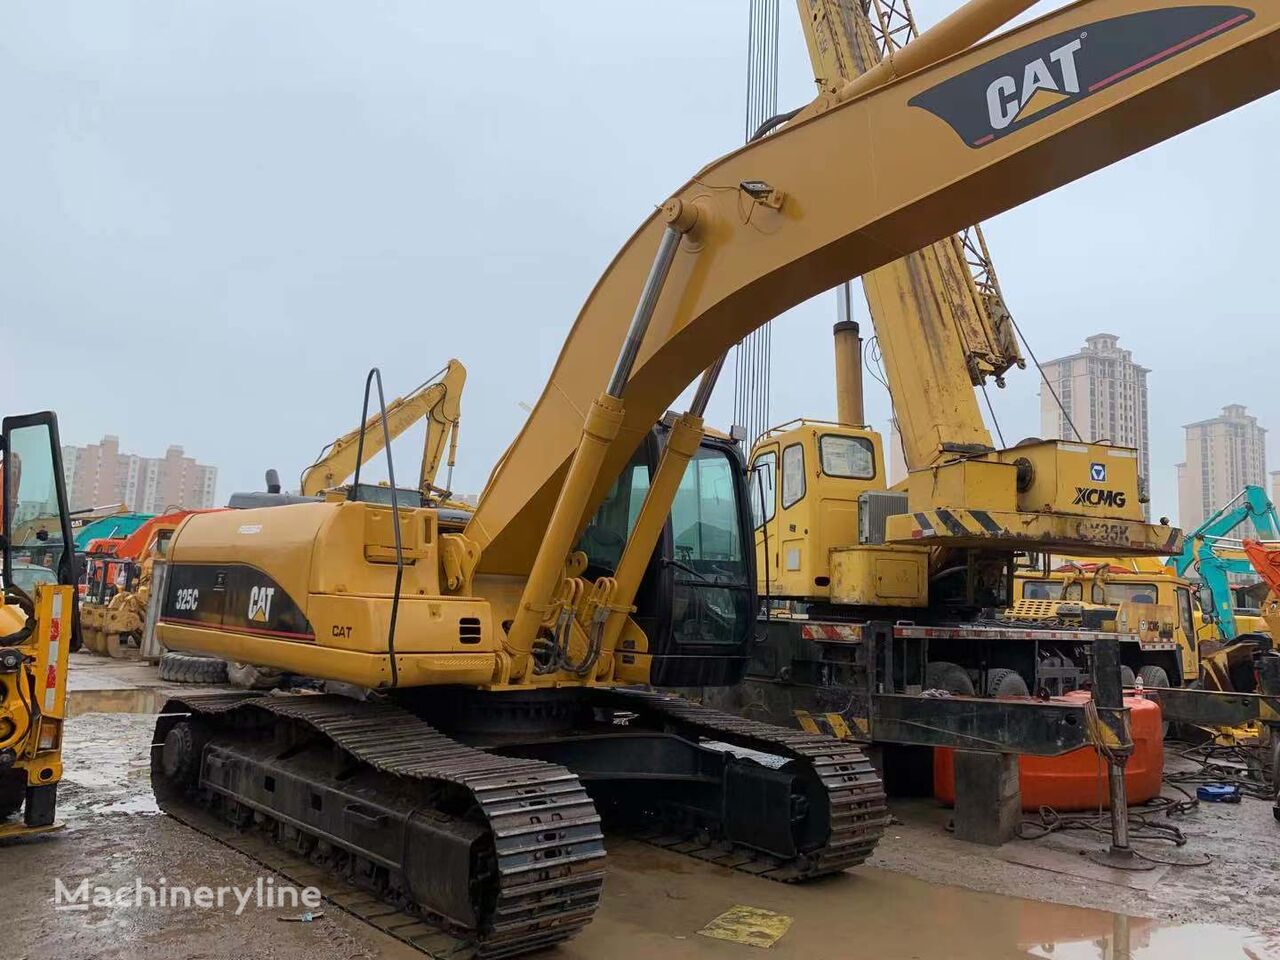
(926, 896)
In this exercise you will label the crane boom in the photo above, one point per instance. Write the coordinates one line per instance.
(930, 296)
(438, 400)
(791, 215)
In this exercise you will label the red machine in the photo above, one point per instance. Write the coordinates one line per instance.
(1266, 560)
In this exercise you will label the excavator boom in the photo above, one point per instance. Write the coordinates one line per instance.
(791, 215)
(438, 400)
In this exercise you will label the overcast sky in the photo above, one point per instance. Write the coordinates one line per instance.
(219, 215)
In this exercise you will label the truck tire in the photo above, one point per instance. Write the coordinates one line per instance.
(1126, 677)
(13, 790)
(192, 668)
(1154, 676)
(1006, 683)
(951, 677)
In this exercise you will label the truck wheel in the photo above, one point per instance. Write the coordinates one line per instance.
(1153, 676)
(13, 790)
(1006, 683)
(1126, 677)
(191, 668)
(941, 675)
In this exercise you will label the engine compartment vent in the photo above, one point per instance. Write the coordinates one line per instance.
(469, 630)
(875, 507)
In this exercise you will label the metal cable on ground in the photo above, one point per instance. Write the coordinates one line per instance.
(1232, 765)
(1149, 821)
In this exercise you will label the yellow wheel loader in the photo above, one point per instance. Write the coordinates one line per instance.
(38, 623)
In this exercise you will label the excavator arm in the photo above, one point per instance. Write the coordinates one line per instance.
(438, 400)
(973, 131)
(1215, 561)
(1251, 503)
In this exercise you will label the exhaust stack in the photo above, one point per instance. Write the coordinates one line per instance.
(849, 407)
(273, 481)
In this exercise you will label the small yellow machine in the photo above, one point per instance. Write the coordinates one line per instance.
(438, 400)
(37, 623)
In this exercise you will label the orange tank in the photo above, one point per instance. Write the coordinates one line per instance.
(1078, 780)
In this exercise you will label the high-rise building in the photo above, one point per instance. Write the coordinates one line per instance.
(1103, 395)
(1222, 456)
(99, 474)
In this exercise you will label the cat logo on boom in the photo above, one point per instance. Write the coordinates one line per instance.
(1041, 86)
(260, 604)
(1018, 88)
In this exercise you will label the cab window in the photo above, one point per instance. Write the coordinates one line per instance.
(763, 488)
(1132, 593)
(704, 516)
(1041, 590)
(1184, 610)
(792, 475)
(607, 533)
(850, 457)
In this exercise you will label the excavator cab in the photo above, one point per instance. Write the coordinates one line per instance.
(697, 601)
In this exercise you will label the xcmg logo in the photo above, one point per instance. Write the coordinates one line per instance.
(1097, 497)
(1018, 88)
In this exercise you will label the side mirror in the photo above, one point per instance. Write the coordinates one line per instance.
(1208, 608)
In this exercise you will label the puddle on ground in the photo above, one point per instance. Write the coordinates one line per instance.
(1134, 939)
(134, 700)
(145, 804)
(657, 902)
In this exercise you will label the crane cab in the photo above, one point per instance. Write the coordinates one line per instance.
(819, 499)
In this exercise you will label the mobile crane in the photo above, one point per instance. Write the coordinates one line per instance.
(904, 589)
(38, 622)
(469, 785)
(438, 401)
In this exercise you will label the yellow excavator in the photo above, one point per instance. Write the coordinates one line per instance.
(503, 657)
(438, 400)
(38, 622)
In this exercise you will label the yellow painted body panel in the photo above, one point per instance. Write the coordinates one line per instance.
(45, 675)
(1061, 470)
(967, 484)
(885, 576)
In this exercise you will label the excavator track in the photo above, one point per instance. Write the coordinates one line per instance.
(857, 813)
(412, 819)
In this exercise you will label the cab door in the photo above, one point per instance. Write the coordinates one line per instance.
(762, 492)
(794, 517)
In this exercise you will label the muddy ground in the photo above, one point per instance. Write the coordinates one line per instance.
(924, 895)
